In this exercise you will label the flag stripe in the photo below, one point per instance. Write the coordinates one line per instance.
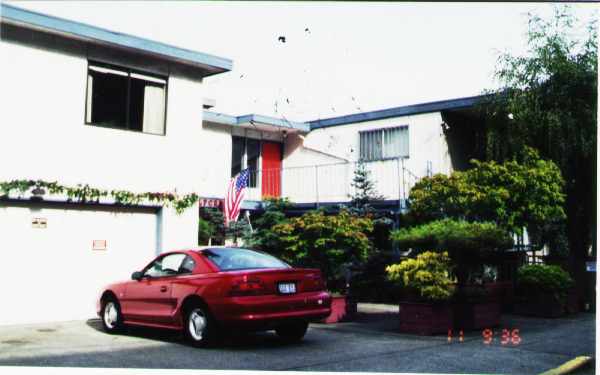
(235, 195)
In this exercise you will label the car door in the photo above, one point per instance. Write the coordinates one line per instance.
(150, 299)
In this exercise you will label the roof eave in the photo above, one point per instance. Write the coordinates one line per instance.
(261, 122)
(209, 64)
(408, 110)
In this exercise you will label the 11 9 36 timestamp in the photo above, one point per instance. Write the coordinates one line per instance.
(507, 336)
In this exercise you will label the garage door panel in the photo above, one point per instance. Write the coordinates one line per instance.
(59, 274)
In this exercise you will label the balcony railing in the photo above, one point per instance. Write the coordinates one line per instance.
(331, 182)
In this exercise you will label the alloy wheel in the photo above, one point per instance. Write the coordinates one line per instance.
(197, 323)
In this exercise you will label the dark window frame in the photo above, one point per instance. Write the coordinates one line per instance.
(129, 71)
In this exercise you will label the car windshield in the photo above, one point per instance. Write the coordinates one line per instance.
(229, 259)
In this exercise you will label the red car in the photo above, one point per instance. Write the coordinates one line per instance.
(201, 291)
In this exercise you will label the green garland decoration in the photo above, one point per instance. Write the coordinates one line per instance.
(86, 193)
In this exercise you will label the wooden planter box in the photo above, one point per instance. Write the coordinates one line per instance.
(572, 306)
(343, 308)
(425, 318)
(502, 291)
(476, 315)
(544, 306)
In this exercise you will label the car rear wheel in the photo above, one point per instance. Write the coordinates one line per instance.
(199, 326)
(292, 332)
(112, 320)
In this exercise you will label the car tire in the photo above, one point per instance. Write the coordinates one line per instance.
(112, 319)
(292, 332)
(199, 327)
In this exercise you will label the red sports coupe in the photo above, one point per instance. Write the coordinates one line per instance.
(201, 291)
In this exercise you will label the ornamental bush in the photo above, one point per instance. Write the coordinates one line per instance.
(427, 277)
(514, 194)
(469, 244)
(454, 236)
(541, 278)
(263, 237)
(327, 242)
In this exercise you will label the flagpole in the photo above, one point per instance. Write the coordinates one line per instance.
(249, 223)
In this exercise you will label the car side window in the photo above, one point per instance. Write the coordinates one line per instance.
(168, 265)
(187, 266)
(155, 269)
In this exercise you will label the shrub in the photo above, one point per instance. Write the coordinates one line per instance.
(454, 236)
(263, 237)
(541, 278)
(468, 243)
(211, 227)
(325, 242)
(427, 276)
(370, 283)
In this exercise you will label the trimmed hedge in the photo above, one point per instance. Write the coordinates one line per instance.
(453, 235)
(541, 278)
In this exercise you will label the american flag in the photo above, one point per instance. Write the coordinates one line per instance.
(235, 195)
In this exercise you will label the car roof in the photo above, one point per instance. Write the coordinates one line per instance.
(200, 248)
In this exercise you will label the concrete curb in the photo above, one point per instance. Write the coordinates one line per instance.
(569, 366)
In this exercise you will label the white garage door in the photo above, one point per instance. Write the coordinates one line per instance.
(50, 270)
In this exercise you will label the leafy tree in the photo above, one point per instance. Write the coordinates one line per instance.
(327, 242)
(548, 102)
(263, 237)
(513, 194)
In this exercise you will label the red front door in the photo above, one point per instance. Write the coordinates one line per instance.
(271, 169)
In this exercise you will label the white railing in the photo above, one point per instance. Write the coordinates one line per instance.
(331, 182)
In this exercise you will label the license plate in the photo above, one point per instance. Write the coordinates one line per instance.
(287, 288)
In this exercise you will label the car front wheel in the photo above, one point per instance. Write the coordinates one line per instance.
(199, 327)
(112, 320)
(292, 332)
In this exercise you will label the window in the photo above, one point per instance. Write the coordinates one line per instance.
(237, 155)
(384, 143)
(252, 156)
(170, 265)
(228, 259)
(187, 266)
(245, 153)
(124, 99)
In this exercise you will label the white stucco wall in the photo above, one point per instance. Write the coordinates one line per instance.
(44, 137)
(331, 182)
(426, 140)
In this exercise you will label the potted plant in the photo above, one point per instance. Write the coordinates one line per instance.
(469, 245)
(477, 304)
(331, 243)
(542, 290)
(427, 289)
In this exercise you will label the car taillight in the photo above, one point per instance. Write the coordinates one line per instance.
(314, 282)
(247, 286)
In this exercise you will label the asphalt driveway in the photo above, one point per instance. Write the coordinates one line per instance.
(369, 344)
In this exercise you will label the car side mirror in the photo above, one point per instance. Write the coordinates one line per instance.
(137, 275)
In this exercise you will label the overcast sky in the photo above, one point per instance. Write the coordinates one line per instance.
(338, 58)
